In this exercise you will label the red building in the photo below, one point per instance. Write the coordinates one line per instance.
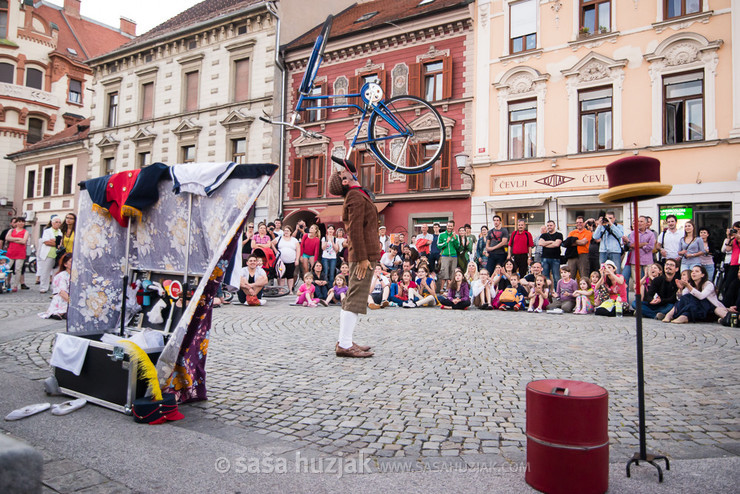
(417, 47)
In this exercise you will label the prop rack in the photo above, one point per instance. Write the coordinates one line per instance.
(168, 239)
(631, 180)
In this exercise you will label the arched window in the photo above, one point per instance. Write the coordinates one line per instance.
(3, 19)
(34, 78)
(6, 72)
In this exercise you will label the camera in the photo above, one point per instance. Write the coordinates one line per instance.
(733, 231)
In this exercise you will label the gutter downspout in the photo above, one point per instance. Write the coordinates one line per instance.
(284, 83)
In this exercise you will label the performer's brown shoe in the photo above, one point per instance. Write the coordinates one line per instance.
(364, 348)
(373, 306)
(352, 352)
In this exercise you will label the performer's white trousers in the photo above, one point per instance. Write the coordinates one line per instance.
(347, 322)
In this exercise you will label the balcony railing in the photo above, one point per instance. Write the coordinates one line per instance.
(28, 94)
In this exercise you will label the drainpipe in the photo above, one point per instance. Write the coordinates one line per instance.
(272, 8)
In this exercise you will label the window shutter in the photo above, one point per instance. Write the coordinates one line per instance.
(297, 178)
(192, 91)
(354, 83)
(320, 173)
(447, 78)
(354, 157)
(415, 80)
(241, 80)
(414, 181)
(444, 168)
(378, 185)
(302, 115)
(382, 77)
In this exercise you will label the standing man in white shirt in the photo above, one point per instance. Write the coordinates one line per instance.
(668, 240)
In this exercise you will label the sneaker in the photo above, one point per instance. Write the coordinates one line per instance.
(555, 311)
(659, 316)
(24, 287)
(538, 309)
(409, 304)
(384, 304)
(531, 309)
(373, 306)
(445, 307)
(502, 307)
(263, 301)
(392, 304)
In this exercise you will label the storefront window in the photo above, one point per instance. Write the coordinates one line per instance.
(590, 212)
(534, 219)
(716, 217)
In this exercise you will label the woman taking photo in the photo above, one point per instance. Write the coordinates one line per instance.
(697, 301)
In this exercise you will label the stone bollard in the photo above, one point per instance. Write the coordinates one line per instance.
(20, 467)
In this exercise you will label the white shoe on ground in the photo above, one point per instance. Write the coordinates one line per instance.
(27, 411)
(68, 406)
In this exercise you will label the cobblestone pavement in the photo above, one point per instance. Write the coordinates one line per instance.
(449, 383)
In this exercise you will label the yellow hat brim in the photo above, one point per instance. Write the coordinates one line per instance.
(635, 192)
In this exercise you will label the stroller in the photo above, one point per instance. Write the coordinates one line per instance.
(269, 263)
(4, 272)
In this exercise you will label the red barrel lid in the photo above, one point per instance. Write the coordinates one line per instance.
(564, 387)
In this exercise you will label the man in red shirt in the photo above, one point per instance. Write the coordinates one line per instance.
(584, 239)
(520, 247)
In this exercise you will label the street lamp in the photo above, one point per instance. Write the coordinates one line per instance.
(4, 203)
(461, 160)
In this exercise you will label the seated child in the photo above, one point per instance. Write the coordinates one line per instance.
(538, 297)
(426, 287)
(513, 297)
(338, 291)
(379, 289)
(458, 293)
(600, 292)
(563, 298)
(405, 293)
(306, 291)
(483, 291)
(584, 296)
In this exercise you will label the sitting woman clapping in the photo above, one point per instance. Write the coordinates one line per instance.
(482, 291)
(698, 299)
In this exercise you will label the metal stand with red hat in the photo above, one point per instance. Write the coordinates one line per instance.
(633, 179)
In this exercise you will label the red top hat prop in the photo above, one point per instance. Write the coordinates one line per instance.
(632, 179)
(635, 178)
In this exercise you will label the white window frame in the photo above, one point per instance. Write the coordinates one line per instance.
(60, 179)
(593, 71)
(507, 29)
(53, 179)
(521, 83)
(684, 52)
(32, 168)
(577, 18)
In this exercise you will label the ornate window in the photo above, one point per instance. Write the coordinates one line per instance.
(684, 107)
(7, 72)
(438, 178)
(239, 150)
(75, 92)
(308, 177)
(112, 109)
(34, 78)
(3, 19)
(521, 100)
(682, 75)
(187, 154)
(595, 119)
(35, 130)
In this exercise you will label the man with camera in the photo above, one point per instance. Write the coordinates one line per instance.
(731, 247)
(610, 233)
(668, 241)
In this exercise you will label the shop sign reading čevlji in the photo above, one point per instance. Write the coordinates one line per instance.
(549, 181)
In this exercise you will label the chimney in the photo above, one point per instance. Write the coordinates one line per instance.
(128, 26)
(72, 8)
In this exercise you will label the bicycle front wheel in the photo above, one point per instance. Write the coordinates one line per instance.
(406, 134)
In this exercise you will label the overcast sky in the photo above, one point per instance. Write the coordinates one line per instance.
(146, 13)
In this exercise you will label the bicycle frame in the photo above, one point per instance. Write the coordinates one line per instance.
(368, 109)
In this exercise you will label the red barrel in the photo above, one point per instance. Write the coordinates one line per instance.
(567, 437)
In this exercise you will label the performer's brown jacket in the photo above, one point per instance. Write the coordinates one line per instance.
(361, 221)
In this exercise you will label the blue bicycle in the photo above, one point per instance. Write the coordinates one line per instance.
(405, 133)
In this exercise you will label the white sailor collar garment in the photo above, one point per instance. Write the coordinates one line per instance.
(200, 178)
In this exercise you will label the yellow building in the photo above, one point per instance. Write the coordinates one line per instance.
(565, 87)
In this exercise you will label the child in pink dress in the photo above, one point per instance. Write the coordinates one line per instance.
(538, 297)
(306, 291)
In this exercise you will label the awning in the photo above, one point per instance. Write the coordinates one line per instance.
(578, 200)
(535, 202)
(335, 211)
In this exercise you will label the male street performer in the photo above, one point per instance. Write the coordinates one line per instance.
(361, 223)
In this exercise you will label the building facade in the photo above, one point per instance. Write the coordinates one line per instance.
(564, 88)
(190, 90)
(44, 87)
(408, 47)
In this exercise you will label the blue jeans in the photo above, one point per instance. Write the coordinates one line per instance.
(551, 266)
(330, 266)
(615, 257)
(650, 310)
(627, 273)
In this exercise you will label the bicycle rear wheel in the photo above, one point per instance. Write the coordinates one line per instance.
(314, 61)
(406, 134)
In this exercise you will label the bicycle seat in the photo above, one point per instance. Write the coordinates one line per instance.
(345, 163)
